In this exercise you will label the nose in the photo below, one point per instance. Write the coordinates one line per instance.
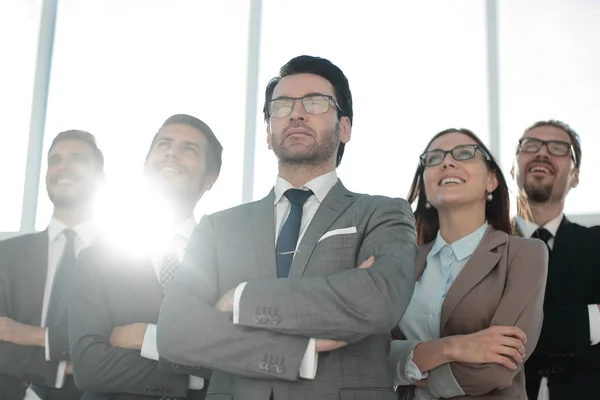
(298, 111)
(448, 162)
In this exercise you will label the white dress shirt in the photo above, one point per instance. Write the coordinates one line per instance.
(84, 235)
(527, 229)
(320, 187)
(179, 240)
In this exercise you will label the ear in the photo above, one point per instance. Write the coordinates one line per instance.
(575, 177)
(209, 181)
(345, 130)
(269, 140)
(492, 182)
(512, 170)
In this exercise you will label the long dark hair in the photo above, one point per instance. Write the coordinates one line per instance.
(497, 211)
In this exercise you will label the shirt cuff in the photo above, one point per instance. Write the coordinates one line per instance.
(149, 347)
(594, 313)
(412, 370)
(61, 374)
(46, 345)
(308, 366)
(196, 383)
(236, 301)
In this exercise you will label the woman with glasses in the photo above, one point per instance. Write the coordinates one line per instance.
(476, 312)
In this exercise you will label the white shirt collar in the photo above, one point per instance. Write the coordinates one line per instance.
(186, 228)
(86, 231)
(527, 228)
(320, 186)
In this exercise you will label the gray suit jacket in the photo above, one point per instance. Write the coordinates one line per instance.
(325, 296)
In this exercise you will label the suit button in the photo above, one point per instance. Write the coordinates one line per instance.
(276, 319)
(269, 319)
(571, 354)
(280, 369)
(269, 367)
(541, 372)
(263, 365)
(263, 318)
(175, 366)
(25, 384)
(65, 353)
(256, 319)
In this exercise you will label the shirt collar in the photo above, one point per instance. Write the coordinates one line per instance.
(85, 231)
(186, 228)
(320, 186)
(527, 228)
(462, 248)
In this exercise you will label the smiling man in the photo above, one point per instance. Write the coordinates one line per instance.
(269, 293)
(566, 362)
(36, 276)
(115, 306)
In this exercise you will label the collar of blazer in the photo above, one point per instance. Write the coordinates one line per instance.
(483, 260)
(263, 221)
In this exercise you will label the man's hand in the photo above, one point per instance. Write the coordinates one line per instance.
(323, 345)
(69, 370)
(367, 263)
(225, 303)
(128, 336)
(21, 334)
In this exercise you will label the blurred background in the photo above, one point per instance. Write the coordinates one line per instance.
(119, 68)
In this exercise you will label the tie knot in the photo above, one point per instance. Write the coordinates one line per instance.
(543, 233)
(298, 196)
(69, 235)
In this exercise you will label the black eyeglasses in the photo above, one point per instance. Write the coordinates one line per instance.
(555, 147)
(312, 103)
(463, 152)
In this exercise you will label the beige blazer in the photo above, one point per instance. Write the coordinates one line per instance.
(503, 283)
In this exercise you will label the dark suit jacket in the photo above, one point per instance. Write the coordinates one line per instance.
(23, 269)
(501, 284)
(325, 296)
(113, 288)
(564, 353)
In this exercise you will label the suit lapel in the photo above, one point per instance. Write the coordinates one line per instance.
(335, 203)
(263, 231)
(479, 265)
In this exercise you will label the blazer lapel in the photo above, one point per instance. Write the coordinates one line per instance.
(479, 265)
(36, 270)
(263, 231)
(335, 203)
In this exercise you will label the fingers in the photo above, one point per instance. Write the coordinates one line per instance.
(515, 344)
(323, 345)
(502, 360)
(367, 263)
(509, 352)
(511, 331)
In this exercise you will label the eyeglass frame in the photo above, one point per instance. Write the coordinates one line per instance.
(475, 147)
(329, 97)
(545, 143)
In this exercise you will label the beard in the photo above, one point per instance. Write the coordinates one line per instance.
(315, 153)
(537, 192)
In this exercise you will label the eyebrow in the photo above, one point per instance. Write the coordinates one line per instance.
(307, 94)
(171, 140)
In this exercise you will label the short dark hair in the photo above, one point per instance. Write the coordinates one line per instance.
(326, 69)
(214, 151)
(575, 140)
(497, 211)
(83, 136)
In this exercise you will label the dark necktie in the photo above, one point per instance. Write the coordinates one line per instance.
(543, 234)
(61, 287)
(168, 269)
(288, 237)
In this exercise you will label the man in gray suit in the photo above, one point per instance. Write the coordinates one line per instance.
(269, 295)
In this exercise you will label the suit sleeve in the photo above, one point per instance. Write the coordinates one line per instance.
(352, 304)
(521, 306)
(97, 365)
(26, 363)
(191, 331)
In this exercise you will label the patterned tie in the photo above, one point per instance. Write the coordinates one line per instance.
(59, 298)
(543, 234)
(168, 269)
(288, 237)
